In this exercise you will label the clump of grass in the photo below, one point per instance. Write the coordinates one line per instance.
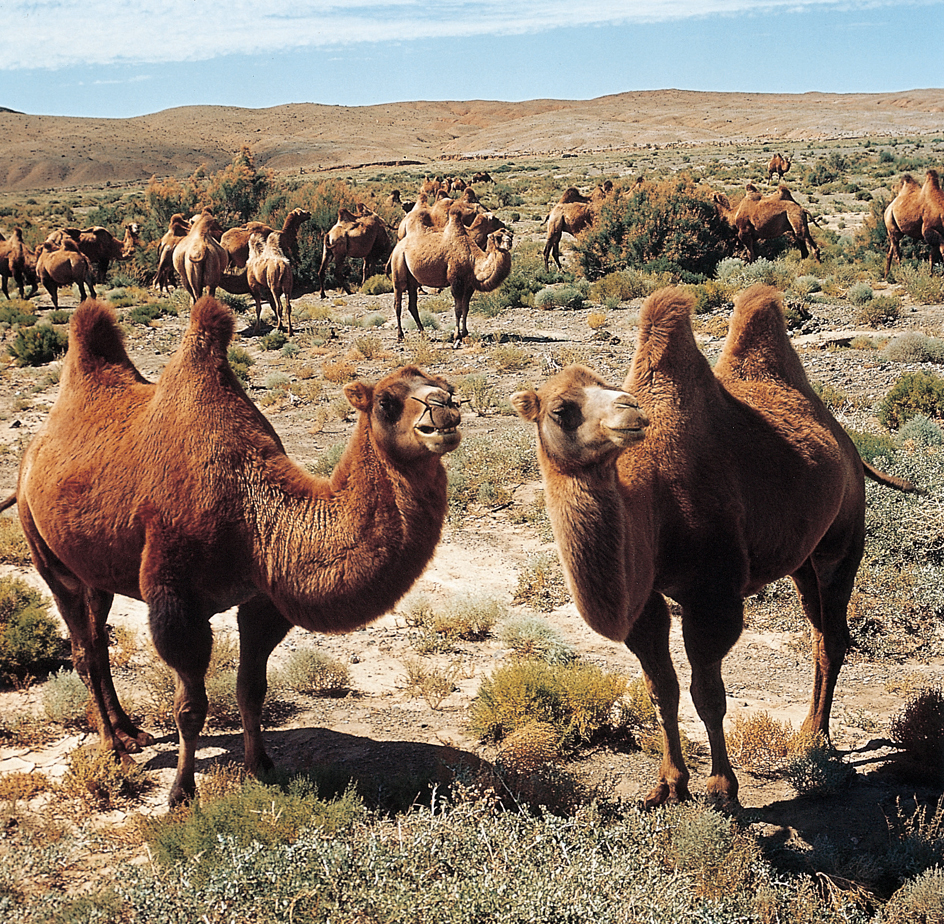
(533, 637)
(277, 381)
(377, 285)
(59, 316)
(919, 731)
(326, 463)
(834, 398)
(240, 362)
(65, 698)
(762, 745)
(97, 777)
(432, 683)
(530, 748)
(560, 296)
(912, 393)
(872, 445)
(818, 771)
(578, 700)
(918, 901)
(479, 392)
(21, 786)
(149, 311)
(920, 431)
(29, 636)
(596, 320)
(509, 357)
(914, 347)
(423, 351)
(369, 346)
(879, 310)
(14, 549)
(314, 673)
(35, 346)
(273, 341)
(339, 371)
(923, 286)
(468, 618)
(541, 583)
(860, 294)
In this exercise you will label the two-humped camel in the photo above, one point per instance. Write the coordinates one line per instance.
(478, 220)
(59, 262)
(429, 257)
(759, 218)
(916, 212)
(235, 241)
(573, 213)
(177, 229)
(713, 485)
(179, 493)
(100, 246)
(353, 236)
(269, 274)
(778, 164)
(199, 258)
(18, 261)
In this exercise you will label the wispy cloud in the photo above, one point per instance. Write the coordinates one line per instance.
(62, 33)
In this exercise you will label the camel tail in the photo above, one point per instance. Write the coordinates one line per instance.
(890, 481)
(8, 502)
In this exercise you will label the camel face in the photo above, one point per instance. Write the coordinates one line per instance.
(581, 420)
(412, 414)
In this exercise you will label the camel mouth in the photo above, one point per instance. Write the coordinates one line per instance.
(623, 436)
(438, 440)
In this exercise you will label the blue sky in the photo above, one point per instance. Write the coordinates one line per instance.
(113, 58)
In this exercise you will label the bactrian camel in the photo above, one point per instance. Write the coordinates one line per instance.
(353, 236)
(778, 164)
(179, 493)
(916, 212)
(235, 241)
(178, 229)
(101, 247)
(573, 213)
(199, 258)
(63, 264)
(704, 486)
(448, 258)
(18, 261)
(269, 275)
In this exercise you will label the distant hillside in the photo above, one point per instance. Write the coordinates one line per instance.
(51, 151)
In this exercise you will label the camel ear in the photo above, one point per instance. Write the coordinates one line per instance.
(527, 404)
(360, 395)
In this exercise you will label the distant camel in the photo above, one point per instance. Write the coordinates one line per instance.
(705, 486)
(778, 164)
(179, 493)
(18, 261)
(573, 213)
(235, 241)
(178, 229)
(101, 247)
(353, 236)
(63, 264)
(199, 259)
(916, 212)
(269, 275)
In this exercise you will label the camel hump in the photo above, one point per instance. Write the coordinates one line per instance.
(94, 336)
(664, 311)
(211, 326)
(665, 338)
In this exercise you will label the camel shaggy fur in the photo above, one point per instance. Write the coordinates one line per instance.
(269, 274)
(573, 213)
(916, 212)
(778, 164)
(235, 241)
(179, 493)
(762, 218)
(704, 486)
(199, 258)
(448, 258)
(353, 237)
(101, 247)
(63, 264)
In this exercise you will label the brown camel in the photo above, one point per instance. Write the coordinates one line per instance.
(63, 265)
(236, 240)
(573, 213)
(762, 218)
(179, 493)
(916, 212)
(269, 274)
(18, 261)
(356, 237)
(778, 164)
(178, 229)
(448, 258)
(199, 259)
(479, 222)
(101, 247)
(712, 486)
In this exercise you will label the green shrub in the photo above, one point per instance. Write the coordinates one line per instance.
(151, 311)
(819, 771)
(710, 295)
(326, 463)
(29, 636)
(560, 296)
(377, 285)
(96, 777)
(919, 731)
(541, 583)
(59, 316)
(38, 345)
(624, 285)
(882, 309)
(65, 698)
(914, 347)
(920, 431)
(913, 393)
(533, 637)
(13, 315)
(240, 362)
(860, 293)
(274, 340)
(872, 445)
(469, 618)
(14, 549)
(923, 286)
(918, 901)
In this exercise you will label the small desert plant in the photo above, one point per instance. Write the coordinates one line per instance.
(872, 445)
(65, 698)
(509, 357)
(314, 673)
(150, 311)
(423, 351)
(59, 316)
(20, 786)
(377, 285)
(37, 345)
(14, 549)
(326, 463)
(274, 340)
(240, 362)
(433, 684)
(529, 748)
(339, 371)
(920, 284)
(479, 391)
(596, 320)
(369, 346)
(97, 777)
(860, 294)
(560, 296)
(762, 745)
(818, 771)
(919, 731)
(530, 636)
(29, 636)
(879, 310)
(913, 393)
(541, 583)
(920, 431)
(918, 901)
(468, 618)
(914, 347)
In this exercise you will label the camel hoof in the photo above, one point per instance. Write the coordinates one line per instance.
(664, 794)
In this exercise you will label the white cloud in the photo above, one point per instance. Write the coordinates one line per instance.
(61, 33)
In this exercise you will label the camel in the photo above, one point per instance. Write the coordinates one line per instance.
(187, 501)
(778, 164)
(178, 229)
(918, 212)
(101, 247)
(356, 237)
(236, 240)
(761, 218)
(63, 265)
(448, 258)
(199, 258)
(269, 274)
(18, 261)
(704, 486)
(573, 213)
(479, 222)
(481, 176)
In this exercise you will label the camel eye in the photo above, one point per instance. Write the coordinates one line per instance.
(391, 407)
(566, 415)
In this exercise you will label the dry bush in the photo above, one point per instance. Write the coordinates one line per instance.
(314, 673)
(423, 352)
(509, 357)
(919, 731)
(529, 748)
(764, 746)
(433, 684)
(596, 320)
(20, 786)
(98, 778)
(541, 583)
(530, 636)
(339, 371)
(14, 549)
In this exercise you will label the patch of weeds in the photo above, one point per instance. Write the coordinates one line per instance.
(21, 786)
(369, 346)
(919, 731)
(541, 583)
(468, 618)
(596, 320)
(918, 900)
(59, 316)
(920, 284)
(273, 341)
(920, 431)
(314, 673)
(433, 684)
(912, 393)
(339, 371)
(35, 346)
(423, 351)
(914, 347)
(879, 310)
(290, 350)
(509, 357)
(240, 362)
(533, 637)
(834, 398)
(277, 381)
(96, 777)
(14, 549)
(872, 445)
(377, 284)
(860, 294)
(560, 296)
(342, 409)
(66, 698)
(764, 746)
(479, 392)
(29, 636)
(818, 771)
(150, 311)
(238, 304)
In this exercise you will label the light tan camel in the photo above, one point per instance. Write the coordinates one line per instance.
(18, 261)
(179, 493)
(778, 164)
(759, 218)
(713, 485)
(236, 240)
(479, 222)
(178, 229)
(101, 247)
(448, 258)
(573, 213)
(353, 237)
(269, 275)
(199, 259)
(916, 212)
(63, 264)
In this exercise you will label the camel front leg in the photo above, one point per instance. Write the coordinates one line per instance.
(255, 327)
(649, 641)
(261, 628)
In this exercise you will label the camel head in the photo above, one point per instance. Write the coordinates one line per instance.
(581, 420)
(411, 415)
(502, 239)
(206, 223)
